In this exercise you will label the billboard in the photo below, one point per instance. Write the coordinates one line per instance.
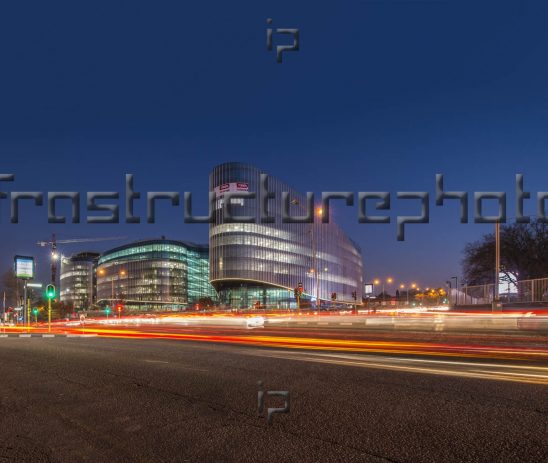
(368, 290)
(507, 283)
(232, 187)
(24, 267)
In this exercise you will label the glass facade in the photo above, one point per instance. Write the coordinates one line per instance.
(261, 263)
(154, 275)
(77, 280)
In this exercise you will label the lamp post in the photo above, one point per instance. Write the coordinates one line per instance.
(402, 286)
(496, 303)
(456, 290)
(414, 286)
(389, 280)
(317, 213)
(121, 273)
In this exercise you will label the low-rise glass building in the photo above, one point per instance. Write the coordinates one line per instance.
(260, 264)
(77, 280)
(154, 275)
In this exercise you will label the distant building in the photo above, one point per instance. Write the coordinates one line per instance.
(154, 275)
(260, 264)
(77, 280)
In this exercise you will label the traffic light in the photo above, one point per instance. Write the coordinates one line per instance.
(50, 291)
(354, 295)
(107, 310)
(333, 296)
(35, 311)
(299, 290)
(119, 307)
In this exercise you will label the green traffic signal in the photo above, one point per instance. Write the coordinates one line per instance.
(50, 291)
(107, 310)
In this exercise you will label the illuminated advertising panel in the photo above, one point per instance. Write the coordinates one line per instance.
(232, 187)
(24, 267)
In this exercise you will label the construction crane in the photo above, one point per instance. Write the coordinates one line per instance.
(55, 255)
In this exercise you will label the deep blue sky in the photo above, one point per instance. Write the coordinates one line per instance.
(382, 96)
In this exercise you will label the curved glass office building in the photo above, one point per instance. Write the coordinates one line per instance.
(77, 280)
(260, 264)
(154, 275)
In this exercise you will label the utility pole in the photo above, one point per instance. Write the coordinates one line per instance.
(54, 257)
(316, 270)
(25, 315)
(28, 313)
(456, 290)
(496, 302)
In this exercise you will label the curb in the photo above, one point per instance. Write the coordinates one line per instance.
(46, 335)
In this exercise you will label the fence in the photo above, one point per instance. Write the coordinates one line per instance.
(509, 292)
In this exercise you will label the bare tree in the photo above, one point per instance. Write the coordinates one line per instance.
(12, 287)
(524, 254)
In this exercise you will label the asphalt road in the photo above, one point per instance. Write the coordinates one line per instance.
(126, 400)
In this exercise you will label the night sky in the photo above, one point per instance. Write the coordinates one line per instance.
(381, 96)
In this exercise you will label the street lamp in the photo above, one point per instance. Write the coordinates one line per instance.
(376, 282)
(407, 290)
(456, 290)
(496, 302)
(121, 273)
(318, 213)
(389, 280)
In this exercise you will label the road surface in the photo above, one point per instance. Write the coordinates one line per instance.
(149, 400)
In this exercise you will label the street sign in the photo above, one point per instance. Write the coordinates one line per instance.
(34, 285)
(24, 267)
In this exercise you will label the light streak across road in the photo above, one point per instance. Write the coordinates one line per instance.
(503, 372)
(517, 356)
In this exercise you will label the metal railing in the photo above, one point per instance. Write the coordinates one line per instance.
(509, 292)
